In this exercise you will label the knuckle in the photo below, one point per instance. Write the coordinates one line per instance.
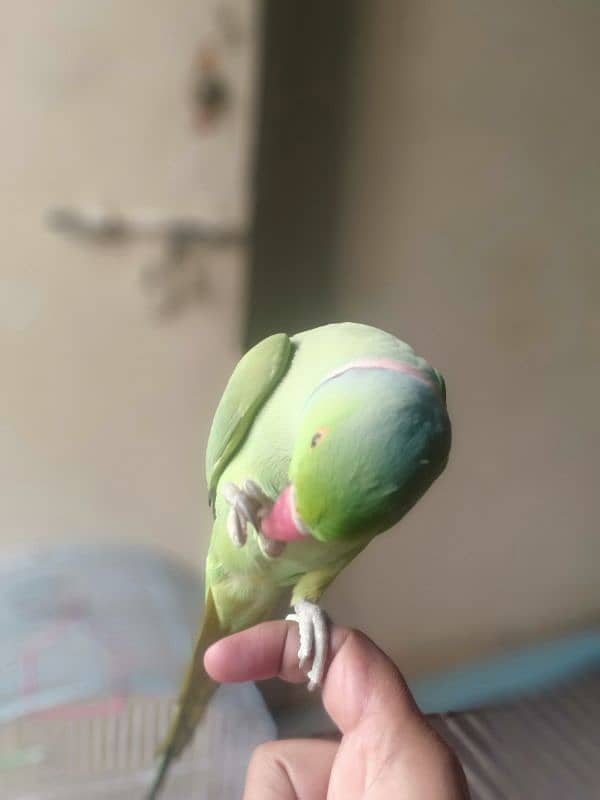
(264, 756)
(267, 770)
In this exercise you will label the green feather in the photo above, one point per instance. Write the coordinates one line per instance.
(253, 380)
(387, 438)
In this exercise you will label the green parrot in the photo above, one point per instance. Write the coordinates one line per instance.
(321, 441)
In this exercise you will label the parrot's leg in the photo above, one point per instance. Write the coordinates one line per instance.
(248, 504)
(314, 639)
(312, 621)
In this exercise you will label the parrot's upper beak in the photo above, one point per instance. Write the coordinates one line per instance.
(283, 523)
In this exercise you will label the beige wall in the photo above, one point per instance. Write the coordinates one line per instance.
(104, 409)
(471, 229)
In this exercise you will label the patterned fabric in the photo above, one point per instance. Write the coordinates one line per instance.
(94, 621)
(93, 644)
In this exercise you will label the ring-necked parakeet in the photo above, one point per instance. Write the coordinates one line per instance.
(320, 442)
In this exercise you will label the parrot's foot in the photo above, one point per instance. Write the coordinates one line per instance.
(314, 640)
(248, 504)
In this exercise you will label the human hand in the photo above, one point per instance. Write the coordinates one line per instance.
(387, 752)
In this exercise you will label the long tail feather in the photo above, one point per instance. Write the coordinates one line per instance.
(193, 699)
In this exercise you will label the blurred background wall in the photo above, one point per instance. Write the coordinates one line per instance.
(470, 225)
(106, 402)
(461, 181)
(462, 177)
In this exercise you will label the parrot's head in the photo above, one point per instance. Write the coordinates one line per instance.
(373, 437)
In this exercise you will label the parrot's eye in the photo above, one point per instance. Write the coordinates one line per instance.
(318, 436)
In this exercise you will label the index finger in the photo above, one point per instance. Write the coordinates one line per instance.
(360, 679)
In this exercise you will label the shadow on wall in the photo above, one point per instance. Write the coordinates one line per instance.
(466, 222)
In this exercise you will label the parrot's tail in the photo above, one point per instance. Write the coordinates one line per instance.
(193, 698)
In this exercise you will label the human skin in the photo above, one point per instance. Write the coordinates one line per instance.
(387, 750)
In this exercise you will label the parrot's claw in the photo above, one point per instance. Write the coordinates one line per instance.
(254, 491)
(248, 505)
(314, 640)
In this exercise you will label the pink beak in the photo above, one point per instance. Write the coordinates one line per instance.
(282, 523)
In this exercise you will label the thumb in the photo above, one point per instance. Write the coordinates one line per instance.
(362, 681)
(360, 678)
(388, 747)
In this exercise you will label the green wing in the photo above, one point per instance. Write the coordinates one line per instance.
(252, 381)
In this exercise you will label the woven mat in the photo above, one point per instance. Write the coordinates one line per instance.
(545, 747)
(99, 751)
